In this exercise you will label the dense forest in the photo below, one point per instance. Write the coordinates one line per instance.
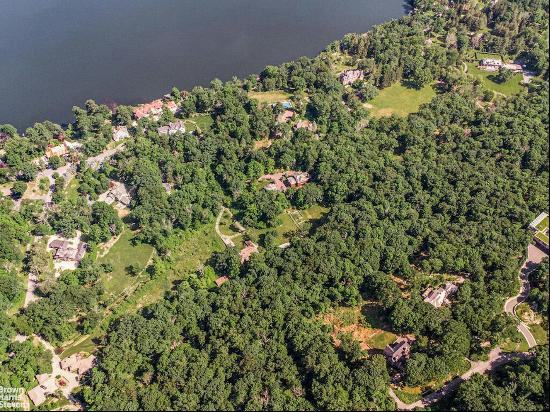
(448, 189)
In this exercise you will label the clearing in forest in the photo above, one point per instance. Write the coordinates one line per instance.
(400, 100)
(364, 323)
(123, 256)
(488, 78)
(274, 96)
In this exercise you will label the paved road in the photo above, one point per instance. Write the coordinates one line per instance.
(96, 161)
(534, 257)
(496, 356)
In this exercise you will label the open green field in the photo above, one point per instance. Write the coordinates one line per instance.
(199, 122)
(400, 100)
(508, 88)
(194, 249)
(515, 344)
(408, 394)
(484, 55)
(84, 345)
(121, 255)
(270, 97)
(290, 220)
(539, 333)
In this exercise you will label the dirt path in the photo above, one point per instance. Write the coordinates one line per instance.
(496, 356)
(227, 240)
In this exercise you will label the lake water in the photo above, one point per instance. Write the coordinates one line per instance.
(55, 54)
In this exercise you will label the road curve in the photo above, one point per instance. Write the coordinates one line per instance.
(534, 257)
(496, 356)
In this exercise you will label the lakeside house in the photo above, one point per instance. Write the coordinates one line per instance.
(348, 77)
(59, 150)
(491, 65)
(154, 108)
(399, 351)
(120, 132)
(172, 128)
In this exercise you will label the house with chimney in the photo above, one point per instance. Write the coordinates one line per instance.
(68, 250)
(78, 363)
(438, 297)
(399, 351)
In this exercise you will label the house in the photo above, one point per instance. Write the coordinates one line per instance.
(249, 248)
(118, 194)
(440, 295)
(285, 116)
(351, 76)
(221, 280)
(297, 180)
(59, 150)
(283, 180)
(516, 68)
(490, 64)
(68, 251)
(435, 297)
(148, 109)
(172, 106)
(399, 351)
(4, 137)
(78, 364)
(306, 124)
(47, 385)
(540, 228)
(172, 128)
(120, 132)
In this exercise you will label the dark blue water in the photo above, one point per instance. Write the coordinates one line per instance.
(57, 53)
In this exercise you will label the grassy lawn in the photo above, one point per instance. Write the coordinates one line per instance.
(515, 344)
(270, 97)
(364, 323)
(72, 189)
(194, 250)
(534, 321)
(84, 345)
(540, 335)
(288, 223)
(200, 122)
(400, 100)
(121, 255)
(408, 394)
(512, 86)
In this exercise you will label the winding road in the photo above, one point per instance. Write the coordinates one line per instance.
(534, 257)
(496, 356)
